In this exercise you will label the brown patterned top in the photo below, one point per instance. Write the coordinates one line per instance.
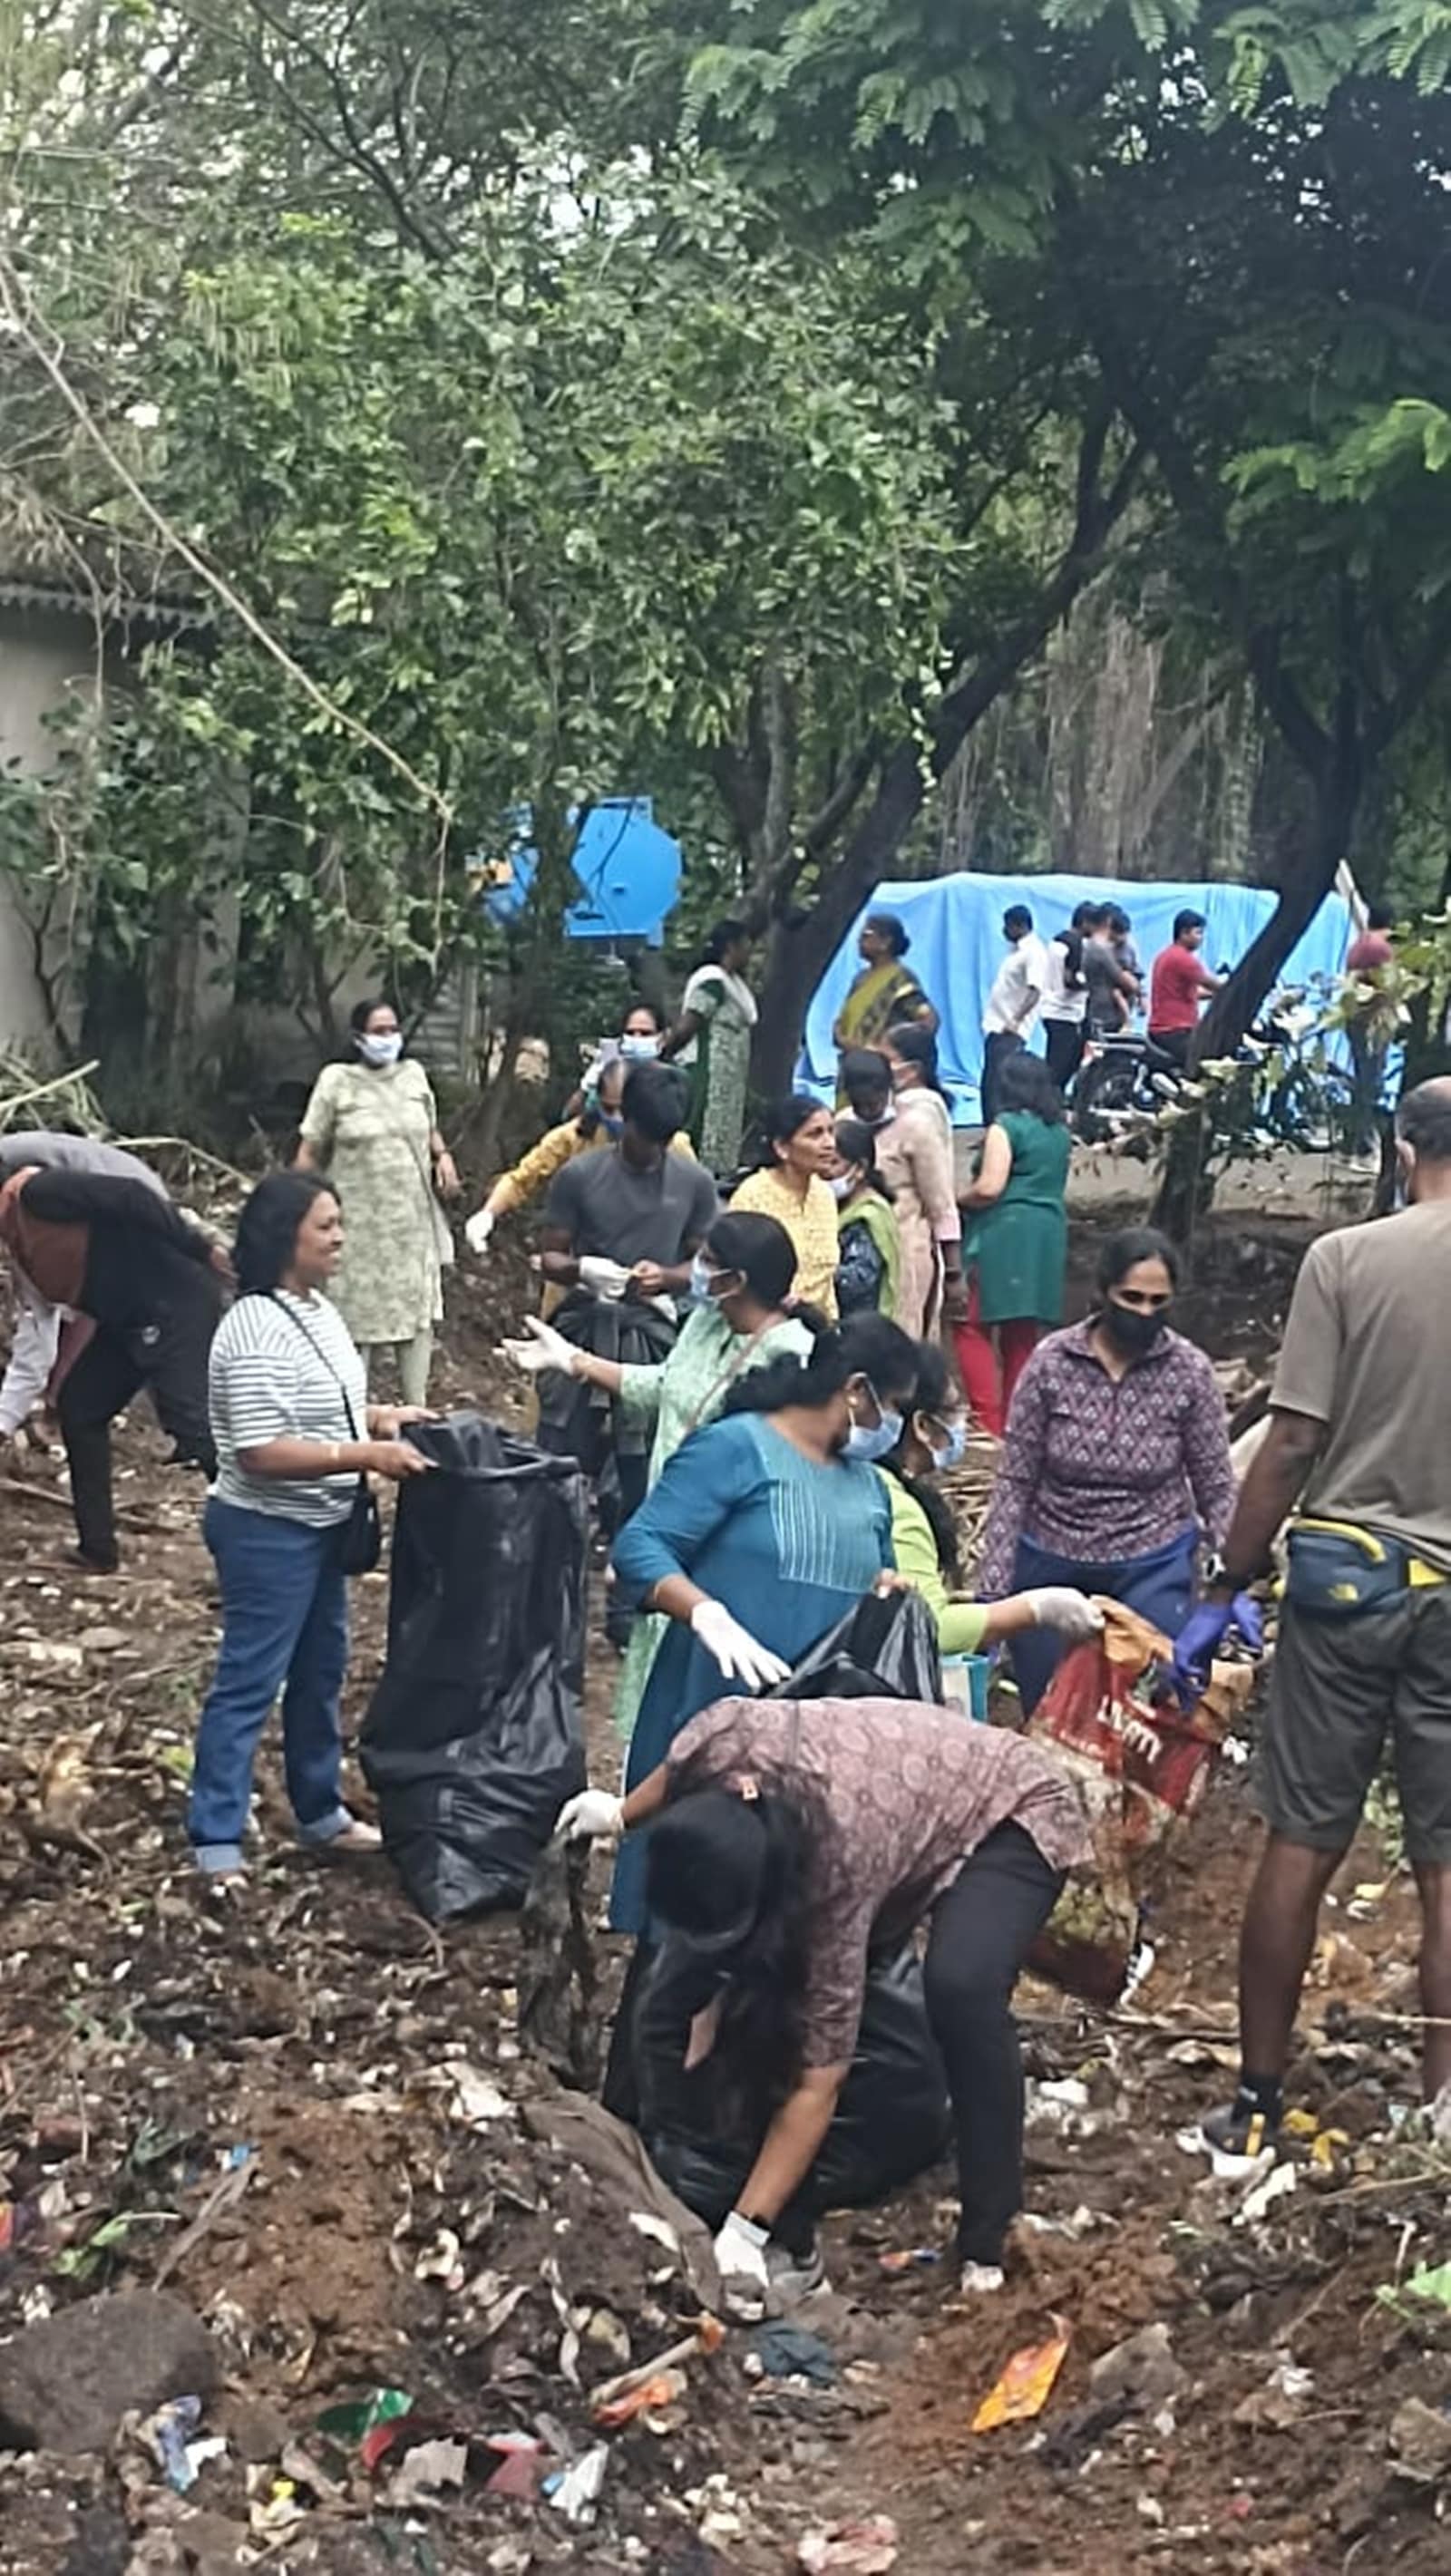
(901, 1794)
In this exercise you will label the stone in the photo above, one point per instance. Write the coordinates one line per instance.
(257, 2432)
(1143, 2370)
(1420, 2440)
(65, 2384)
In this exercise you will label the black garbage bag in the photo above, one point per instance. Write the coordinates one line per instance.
(886, 1648)
(702, 2129)
(474, 1737)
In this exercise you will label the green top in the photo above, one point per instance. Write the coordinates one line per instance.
(914, 1553)
(1018, 1247)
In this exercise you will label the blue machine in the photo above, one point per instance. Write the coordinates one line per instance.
(627, 868)
(955, 926)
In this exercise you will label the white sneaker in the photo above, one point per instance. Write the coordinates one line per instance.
(975, 2280)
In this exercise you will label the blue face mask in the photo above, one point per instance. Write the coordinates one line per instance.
(612, 1122)
(637, 1048)
(701, 1290)
(879, 1442)
(955, 1450)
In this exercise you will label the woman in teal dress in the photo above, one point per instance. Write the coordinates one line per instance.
(738, 1321)
(763, 1531)
(1015, 1239)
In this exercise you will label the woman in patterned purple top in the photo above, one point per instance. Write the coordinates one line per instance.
(1116, 1462)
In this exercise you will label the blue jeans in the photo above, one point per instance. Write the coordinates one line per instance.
(284, 1620)
(1160, 1586)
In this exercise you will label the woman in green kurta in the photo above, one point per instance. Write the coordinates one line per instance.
(1015, 1241)
(741, 1280)
(371, 1125)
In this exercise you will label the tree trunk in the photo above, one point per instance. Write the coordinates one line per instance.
(804, 943)
(1183, 1195)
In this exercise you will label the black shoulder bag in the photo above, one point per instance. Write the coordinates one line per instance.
(360, 1538)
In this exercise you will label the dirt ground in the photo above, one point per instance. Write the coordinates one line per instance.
(310, 2112)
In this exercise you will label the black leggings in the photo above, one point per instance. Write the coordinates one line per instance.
(982, 1930)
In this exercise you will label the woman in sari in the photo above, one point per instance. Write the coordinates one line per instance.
(711, 1040)
(886, 992)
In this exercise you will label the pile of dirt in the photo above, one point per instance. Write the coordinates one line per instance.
(309, 2120)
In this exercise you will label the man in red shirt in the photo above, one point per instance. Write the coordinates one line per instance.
(1178, 981)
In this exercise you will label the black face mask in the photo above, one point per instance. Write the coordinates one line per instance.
(1134, 1333)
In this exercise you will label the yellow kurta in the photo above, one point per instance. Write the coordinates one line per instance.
(811, 1224)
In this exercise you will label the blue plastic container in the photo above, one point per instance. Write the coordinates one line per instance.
(964, 1684)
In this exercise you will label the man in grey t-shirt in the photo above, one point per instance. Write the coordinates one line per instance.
(620, 1232)
(1360, 1435)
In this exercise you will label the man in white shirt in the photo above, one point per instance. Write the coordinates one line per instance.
(1012, 1008)
(1065, 994)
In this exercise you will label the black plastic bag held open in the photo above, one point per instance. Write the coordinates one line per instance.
(473, 1738)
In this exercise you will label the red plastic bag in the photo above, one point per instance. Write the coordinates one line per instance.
(1142, 1767)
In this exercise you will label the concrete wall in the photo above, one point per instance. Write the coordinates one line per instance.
(43, 658)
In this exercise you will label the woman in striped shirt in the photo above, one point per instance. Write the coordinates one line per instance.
(287, 1396)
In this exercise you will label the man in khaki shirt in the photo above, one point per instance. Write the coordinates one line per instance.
(1361, 1435)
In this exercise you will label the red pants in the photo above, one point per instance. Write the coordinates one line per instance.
(992, 1358)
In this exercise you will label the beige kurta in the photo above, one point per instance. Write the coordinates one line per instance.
(914, 1158)
(368, 1130)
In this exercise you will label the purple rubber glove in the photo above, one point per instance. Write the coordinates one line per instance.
(1204, 1632)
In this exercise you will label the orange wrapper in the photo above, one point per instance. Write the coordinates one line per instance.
(1025, 2384)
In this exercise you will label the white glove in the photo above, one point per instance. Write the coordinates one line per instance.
(595, 1816)
(547, 1350)
(479, 1228)
(734, 1648)
(740, 2258)
(603, 1278)
(1058, 1606)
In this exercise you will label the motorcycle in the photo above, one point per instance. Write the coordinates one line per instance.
(1125, 1078)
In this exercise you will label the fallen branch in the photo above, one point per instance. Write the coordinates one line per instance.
(125, 1519)
(224, 2196)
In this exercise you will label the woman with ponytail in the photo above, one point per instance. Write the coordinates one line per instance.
(764, 1529)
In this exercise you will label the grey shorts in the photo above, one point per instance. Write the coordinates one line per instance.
(1338, 1685)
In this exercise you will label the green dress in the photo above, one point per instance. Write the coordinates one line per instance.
(688, 1389)
(719, 1064)
(369, 1130)
(1018, 1247)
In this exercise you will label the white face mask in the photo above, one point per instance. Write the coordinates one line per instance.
(843, 1186)
(637, 1047)
(383, 1048)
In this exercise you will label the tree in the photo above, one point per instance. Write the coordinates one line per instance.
(1228, 223)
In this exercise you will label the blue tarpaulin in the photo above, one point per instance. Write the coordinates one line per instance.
(955, 925)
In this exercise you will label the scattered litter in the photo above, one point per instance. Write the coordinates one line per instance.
(476, 2101)
(1277, 2185)
(428, 2468)
(372, 2423)
(576, 2491)
(613, 2402)
(658, 2230)
(1025, 2384)
(167, 2434)
(650, 2398)
(789, 2352)
(521, 2465)
(911, 2258)
(1279, 2405)
(850, 2548)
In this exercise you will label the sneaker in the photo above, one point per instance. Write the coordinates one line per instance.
(978, 2280)
(793, 2277)
(356, 1841)
(1240, 2131)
